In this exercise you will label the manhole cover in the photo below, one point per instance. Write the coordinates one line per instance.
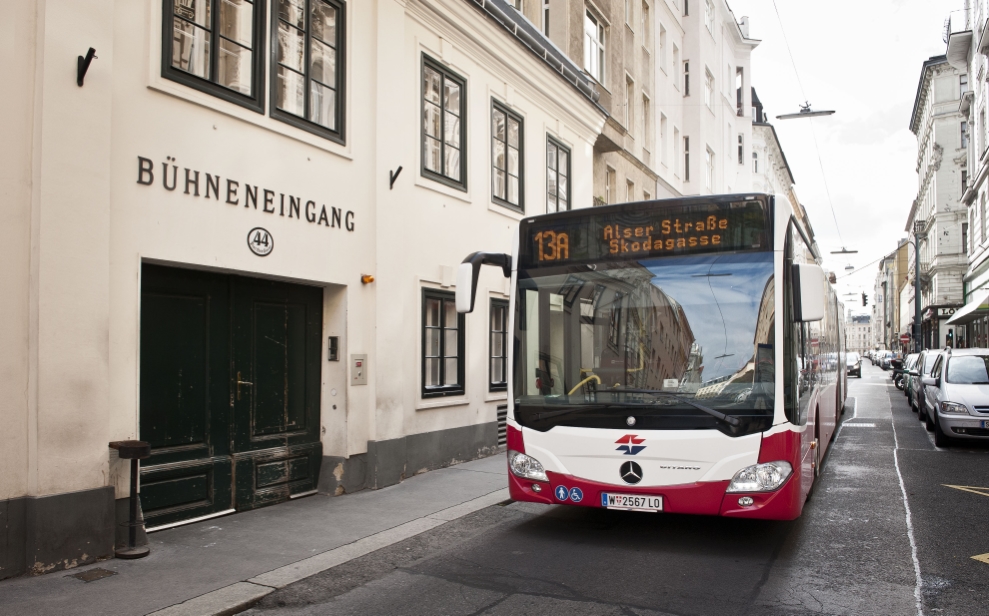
(91, 575)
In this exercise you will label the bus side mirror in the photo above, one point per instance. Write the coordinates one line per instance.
(468, 272)
(809, 296)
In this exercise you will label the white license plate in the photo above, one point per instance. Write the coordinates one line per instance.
(985, 424)
(632, 502)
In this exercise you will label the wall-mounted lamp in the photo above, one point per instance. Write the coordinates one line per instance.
(82, 65)
(367, 279)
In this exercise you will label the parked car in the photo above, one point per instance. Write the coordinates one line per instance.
(922, 369)
(853, 364)
(884, 358)
(957, 392)
(908, 366)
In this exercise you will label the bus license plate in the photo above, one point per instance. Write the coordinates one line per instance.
(632, 502)
(985, 424)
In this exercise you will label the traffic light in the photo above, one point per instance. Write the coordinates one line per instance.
(951, 338)
(865, 300)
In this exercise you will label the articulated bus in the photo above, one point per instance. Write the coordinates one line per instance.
(682, 355)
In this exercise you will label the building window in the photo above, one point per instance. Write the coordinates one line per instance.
(628, 13)
(686, 78)
(709, 15)
(444, 108)
(646, 196)
(982, 214)
(662, 48)
(686, 159)
(964, 179)
(546, 18)
(686, 7)
(739, 98)
(611, 186)
(662, 138)
(646, 30)
(629, 109)
(741, 149)
(971, 228)
(629, 191)
(755, 162)
(965, 238)
(442, 345)
(962, 85)
(709, 89)
(964, 133)
(709, 169)
(676, 151)
(213, 46)
(676, 66)
(516, 4)
(306, 85)
(498, 344)
(557, 176)
(506, 157)
(647, 125)
(593, 47)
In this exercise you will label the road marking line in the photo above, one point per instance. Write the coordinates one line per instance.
(972, 489)
(860, 425)
(982, 558)
(917, 596)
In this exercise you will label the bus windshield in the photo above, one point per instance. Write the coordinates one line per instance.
(645, 342)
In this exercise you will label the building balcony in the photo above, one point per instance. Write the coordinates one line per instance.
(959, 38)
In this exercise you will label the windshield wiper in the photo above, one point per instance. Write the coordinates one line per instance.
(586, 407)
(669, 394)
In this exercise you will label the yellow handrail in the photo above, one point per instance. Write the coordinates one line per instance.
(581, 384)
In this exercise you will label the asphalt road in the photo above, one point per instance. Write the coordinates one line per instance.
(883, 534)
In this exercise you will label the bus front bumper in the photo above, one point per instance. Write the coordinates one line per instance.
(701, 498)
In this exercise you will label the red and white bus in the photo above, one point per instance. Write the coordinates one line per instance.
(681, 355)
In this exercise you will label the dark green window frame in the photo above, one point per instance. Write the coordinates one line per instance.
(437, 353)
(501, 165)
(219, 42)
(450, 129)
(313, 79)
(498, 318)
(554, 170)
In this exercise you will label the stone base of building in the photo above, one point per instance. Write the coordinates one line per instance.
(389, 462)
(41, 534)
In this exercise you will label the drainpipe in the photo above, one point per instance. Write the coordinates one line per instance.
(917, 227)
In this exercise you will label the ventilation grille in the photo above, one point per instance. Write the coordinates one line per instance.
(502, 424)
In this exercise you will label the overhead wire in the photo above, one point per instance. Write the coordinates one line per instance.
(813, 132)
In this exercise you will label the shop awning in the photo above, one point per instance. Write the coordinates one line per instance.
(975, 309)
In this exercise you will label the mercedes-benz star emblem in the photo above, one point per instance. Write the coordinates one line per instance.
(631, 472)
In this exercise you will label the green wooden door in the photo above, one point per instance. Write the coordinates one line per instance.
(230, 373)
(276, 363)
(185, 394)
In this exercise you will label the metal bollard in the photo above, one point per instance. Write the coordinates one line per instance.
(133, 451)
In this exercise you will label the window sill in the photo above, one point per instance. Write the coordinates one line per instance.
(443, 189)
(433, 403)
(508, 212)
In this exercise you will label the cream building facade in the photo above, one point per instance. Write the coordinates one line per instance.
(938, 213)
(193, 233)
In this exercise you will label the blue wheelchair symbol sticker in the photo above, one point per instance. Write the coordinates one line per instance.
(562, 493)
(576, 495)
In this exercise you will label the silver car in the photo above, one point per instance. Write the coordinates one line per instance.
(921, 368)
(957, 393)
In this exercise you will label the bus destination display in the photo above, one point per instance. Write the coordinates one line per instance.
(648, 232)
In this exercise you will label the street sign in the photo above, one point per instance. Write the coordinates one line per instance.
(904, 338)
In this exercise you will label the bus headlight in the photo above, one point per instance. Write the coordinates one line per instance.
(525, 466)
(761, 477)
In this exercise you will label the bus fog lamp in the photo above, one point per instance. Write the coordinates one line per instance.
(746, 501)
(526, 467)
(761, 477)
(537, 488)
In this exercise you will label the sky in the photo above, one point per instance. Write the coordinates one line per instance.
(862, 59)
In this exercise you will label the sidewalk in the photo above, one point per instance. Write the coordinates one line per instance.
(271, 547)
